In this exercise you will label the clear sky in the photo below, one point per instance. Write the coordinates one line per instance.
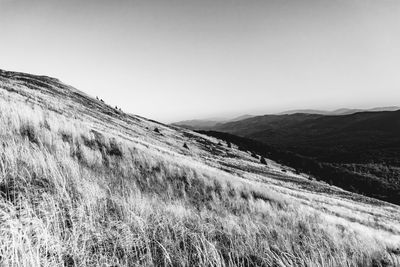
(181, 59)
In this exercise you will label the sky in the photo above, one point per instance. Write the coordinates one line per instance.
(172, 60)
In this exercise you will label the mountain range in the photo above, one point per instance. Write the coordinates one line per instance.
(364, 147)
(326, 137)
(208, 123)
(211, 123)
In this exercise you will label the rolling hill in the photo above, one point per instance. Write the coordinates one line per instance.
(321, 136)
(212, 124)
(85, 184)
(362, 144)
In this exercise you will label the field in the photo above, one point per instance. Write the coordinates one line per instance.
(85, 184)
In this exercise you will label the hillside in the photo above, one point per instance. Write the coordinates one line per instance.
(315, 126)
(215, 124)
(361, 144)
(330, 138)
(85, 184)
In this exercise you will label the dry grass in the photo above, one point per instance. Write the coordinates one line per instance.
(76, 195)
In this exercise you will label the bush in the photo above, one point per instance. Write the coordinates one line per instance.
(254, 155)
(28, 130)
(263, 161)
(114, 149)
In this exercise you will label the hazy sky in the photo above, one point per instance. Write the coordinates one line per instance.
(182, 59)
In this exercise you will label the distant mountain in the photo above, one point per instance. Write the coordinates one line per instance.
(243, 117)
(347, 111)
(341, 111)
(210, 124)
(307, 111)
(364, 147)
(320, 135)
(196, 124)
(207, 123)
(391, 108)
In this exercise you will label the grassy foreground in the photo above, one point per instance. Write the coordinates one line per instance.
(72, 194)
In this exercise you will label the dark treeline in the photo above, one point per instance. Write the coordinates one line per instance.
(334, 174)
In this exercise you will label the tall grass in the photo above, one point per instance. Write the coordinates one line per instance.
(72, 195)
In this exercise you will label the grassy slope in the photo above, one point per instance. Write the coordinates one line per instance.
(83, 184)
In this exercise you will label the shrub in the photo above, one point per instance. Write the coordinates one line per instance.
(28, 130)
(114, 148)
(263, 161)
(66, 137)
